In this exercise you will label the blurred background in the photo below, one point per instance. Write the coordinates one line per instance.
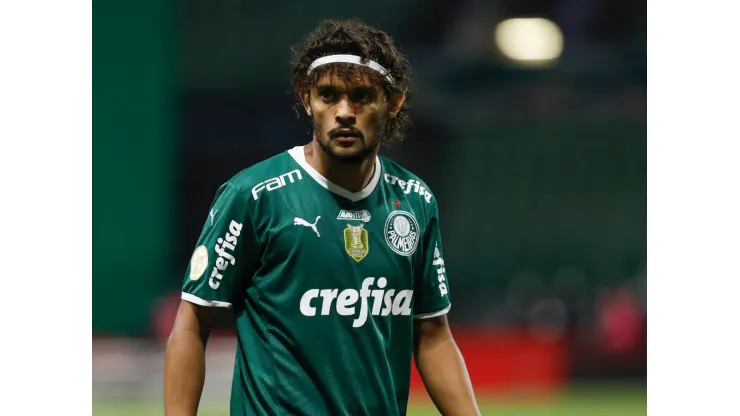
(529, 125)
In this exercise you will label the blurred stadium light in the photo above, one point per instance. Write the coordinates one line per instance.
(531, 42)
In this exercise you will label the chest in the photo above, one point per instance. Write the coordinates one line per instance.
(329, 241)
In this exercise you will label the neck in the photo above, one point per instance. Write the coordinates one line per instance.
(352, 177)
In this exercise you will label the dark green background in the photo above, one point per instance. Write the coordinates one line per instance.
(187, 93)
(133, 171)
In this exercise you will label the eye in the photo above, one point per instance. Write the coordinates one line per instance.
(327, 94)
(363, 95)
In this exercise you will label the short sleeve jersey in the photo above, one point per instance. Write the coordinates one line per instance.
(324, 284)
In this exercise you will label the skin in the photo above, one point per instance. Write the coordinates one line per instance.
(185, 359)
(356, 105)
(442, 368)
(363, 109)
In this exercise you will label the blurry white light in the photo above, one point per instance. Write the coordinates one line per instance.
(530, 41)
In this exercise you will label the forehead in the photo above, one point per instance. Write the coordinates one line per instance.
(356, 78)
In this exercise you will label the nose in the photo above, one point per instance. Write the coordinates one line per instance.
(345, 113)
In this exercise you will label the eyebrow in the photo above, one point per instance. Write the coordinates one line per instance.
(363, 88)
(352, 88)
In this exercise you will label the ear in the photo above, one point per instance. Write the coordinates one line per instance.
(306, 100)
(395, 103)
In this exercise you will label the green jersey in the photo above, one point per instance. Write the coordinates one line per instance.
(324, 283)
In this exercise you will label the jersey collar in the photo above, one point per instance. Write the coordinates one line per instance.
(300, 158)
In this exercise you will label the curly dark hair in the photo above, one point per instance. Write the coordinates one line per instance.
(357, 38)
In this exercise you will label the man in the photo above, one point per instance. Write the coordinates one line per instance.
(329, 256)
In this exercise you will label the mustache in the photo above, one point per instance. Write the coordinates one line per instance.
(345, 131)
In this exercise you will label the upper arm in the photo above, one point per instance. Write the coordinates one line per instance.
(430, 331)
(196, 318)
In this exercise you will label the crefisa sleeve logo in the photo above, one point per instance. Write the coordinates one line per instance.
(402, 232)
(225, 248)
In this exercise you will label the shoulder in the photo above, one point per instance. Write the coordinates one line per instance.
(401, 180)
(408, 187)
(269, 174)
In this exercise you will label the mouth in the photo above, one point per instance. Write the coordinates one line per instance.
(346, 139)
(346, 135)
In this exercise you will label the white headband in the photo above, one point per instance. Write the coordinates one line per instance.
(351, 59)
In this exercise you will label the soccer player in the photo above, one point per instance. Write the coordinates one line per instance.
(329, 256)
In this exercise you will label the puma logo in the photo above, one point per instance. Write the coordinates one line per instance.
(301, 221)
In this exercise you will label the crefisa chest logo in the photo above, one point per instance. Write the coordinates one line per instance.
(402, 232)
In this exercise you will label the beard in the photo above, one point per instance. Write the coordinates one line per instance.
(337, 152)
